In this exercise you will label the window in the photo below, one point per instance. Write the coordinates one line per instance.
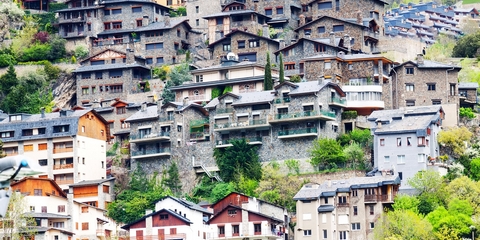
(399, 142)
(160, 60)
(152, 46)
(307, 232)
(321, 29)
(324, 5)
(42, 162)
(85, 91)
(421, 141)
(337, 5)
(179, 33)
(106, 12)
(235, 230)
(400, 159)
(219, 20)
(355, 210)
(154, 34)
(139, 22)
(61, 208)
(173, 230)
(350, 67)
(85, 226)
(342, 199)
(44, 209)
(136, 9)
(382, 142)
(115, 73)
(226, 47)
(400, 175)
(452, 89)
(197, 22)
(338, 28)
(421, 157)
(117, 25)
(325, 235)
(7, 134)
(149, 61)
(27, 132)
(436, 102)
(197, 9)
(372, 225)
(289, 66)
(386, 159)
(253, 43)
(163, 216)
(326, 200)
(58, 225)
(355, 193)
(268, 11)
(328, 65)
(307, 31)
(409, 141)
(410, 103)
(409, 87)
(372, 209)
(241, 44)
(37, 192)
(15, 118)
(355, 226)
(232, 211)
(199, 78)
(28, 148)
(431, 86)
(117, 11)
(86, 75)
(84, 209)
(343, 235)
(279, 10)
(221, 231)
(257, 228)
(409, 70)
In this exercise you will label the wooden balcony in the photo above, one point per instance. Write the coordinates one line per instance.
(63, 150)
(63, 166)
(62, 182)
(377, 198)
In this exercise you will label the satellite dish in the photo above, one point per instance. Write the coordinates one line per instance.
(232, 56)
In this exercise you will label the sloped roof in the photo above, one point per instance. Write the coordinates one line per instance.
(182, 218)
(249, 211)
(325, 17)
(108, 67)
(149, 113)
(188, 204)
(234, 32)
(467, 85)
(238, 12)
(430, 64)
(250, 98)
(90, 182)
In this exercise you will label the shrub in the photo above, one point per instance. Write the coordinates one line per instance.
(182, 11)
(349, 115)
(74, 59)
(295, 79)
(36, 52)
(81, 52)
(7, 60)
(53, 7)
(51, 71)
(41, 37)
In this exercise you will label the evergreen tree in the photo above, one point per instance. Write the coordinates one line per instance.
(8, 80)
(268, 81)
(281, 77)
(173, 179)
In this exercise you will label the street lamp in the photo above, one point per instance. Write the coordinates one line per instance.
(14, 168)
(473, 232)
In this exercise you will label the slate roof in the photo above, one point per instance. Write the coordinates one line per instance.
(160, 25)
(108, 67)
(234, 32)
(47, 215)
(78, 8)
(430, 64)
(90, 182)
(467, 85)
(188, 204)
(239, 12)
(250, 98)
(149, 113)
(126, 227)
(219, 82)
(220, 66)
(324, 41)
(325, 208)
(324, 17)
(212, 104)
(249, 211)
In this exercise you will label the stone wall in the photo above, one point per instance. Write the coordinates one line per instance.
(196, 9)
(408, 50)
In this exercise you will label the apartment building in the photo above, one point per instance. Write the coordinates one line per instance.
(405, 139)
(345, 209)
(59, 215)
(423, 83)
(69, 145)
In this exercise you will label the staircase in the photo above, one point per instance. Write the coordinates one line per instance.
(202, 169)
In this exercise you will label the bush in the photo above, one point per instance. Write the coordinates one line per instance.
(53, 7)
(81, 52)
(7, 60)
(41, 37)
(74, 59)
(295, 79)
(36, 52)
(51, 71)
(349, 115)
(467, 113)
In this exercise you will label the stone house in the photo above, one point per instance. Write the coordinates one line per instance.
(247, 46)
(235, 16)
(85, 19)
(110, 73)
(35, 5)
(405, 140)
(196, 9)
(364, 78)
(346, 209)
(361, 33)
(242, 77)
(283, 122)
(159, 42)
(423, 83)
(467, 92)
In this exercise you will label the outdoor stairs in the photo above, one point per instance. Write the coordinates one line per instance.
(212, 172)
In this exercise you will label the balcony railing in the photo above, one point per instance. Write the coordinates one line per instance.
(304, 114)
(297, 131)
(240, 124)
(376, 198)
(199, 122)
(282, 100)
(338, 101)
(224, 110)
(343, 204)
(151, 135)
(63, 166)
(166, 119)
(62, 150)
(150, 151)
(61, 182)
(198, 135)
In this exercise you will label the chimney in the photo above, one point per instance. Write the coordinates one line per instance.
(185, 101)
(282, 43)
(321, 80)
(130, 55)
(265, 31)
(359, 17)
(144, 107)
(332, 38)
(346, 43)
(302, 20)
(95, 104)
(420, 59)
(166, 19)
(329, 182)
(379, 124)
(42, 111)
(148, 211)
(145, 20)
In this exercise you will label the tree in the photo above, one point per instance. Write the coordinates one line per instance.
(354, 153)
(457, 218)
(17, 223)
(475, 169)
(453, 140)
(8, 80)
(268, 80)
(363, 137)
(326, 152)
(442, 49)
(281, 77)
(466, 113)
(406, 202)
(220, 191)
(463, 188)
(467, 46)
(173, 179)
(403, 224)
(470, 70)
(178, 75)
(161, 72)
(295, 79)
(240, 159)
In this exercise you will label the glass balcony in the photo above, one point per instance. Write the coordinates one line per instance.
(282, 100)
(305, 115)
(151, 153)
(166, 119)
(198, 135)
(224, 110)
(292, 133)
(150, 137)
(240, 125)
(199, 122)
(338, 102)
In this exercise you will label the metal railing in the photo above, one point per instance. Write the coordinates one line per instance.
(338, 100)
(297, 131)
(240, 124)
(224, 110)
(151, 135)
(165, 119)
(304, 114)
(282, 100)
(199, 122)
(198, 135)
(150, 151)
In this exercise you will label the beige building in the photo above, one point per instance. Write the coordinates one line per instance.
(345, 209)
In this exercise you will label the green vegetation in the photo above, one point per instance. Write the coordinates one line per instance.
(178, 75)
(268, 80)
(281, 77)
(349, 115)
(467, 113)
(442, 49)
(467, 46)
(453, 140)
(295, 79)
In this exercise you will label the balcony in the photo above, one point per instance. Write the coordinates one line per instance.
(151, 153)
(306, 132)
(152, 137)
(63, 150)
(198, 97)
(199, 122)
(282, 100)
(224, 110)
(166, 119)
(63, 166)
(385, 74)
(62, 182)
(377, 198)
(339, 205)
(72, 20)
(302, 116)
(252, 124)
(250, 141)
(196, 136)
(338, 102)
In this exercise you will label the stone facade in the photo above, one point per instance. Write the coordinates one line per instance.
(251, 44)
(196, 9)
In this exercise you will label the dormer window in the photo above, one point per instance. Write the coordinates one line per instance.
(14, 118)
(59, 129)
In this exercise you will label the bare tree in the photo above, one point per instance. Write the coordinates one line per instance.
(17, 223)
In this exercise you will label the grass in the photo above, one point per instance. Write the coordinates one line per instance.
(470, 1)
